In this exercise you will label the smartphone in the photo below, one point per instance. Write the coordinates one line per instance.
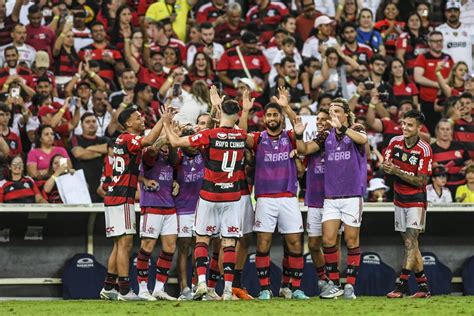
(63, 161)
(424, 13)
(73, 102)
(69, 19)
(15, 92)
(176, 90)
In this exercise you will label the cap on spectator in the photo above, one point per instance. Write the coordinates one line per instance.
(248, 82)
(321, 20)
(249, 38)
(453, 5)
(439, 171)
(376, 184)
(42, 59)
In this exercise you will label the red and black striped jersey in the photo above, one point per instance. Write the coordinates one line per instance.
(362, 54)
(172, 42)
(5, 31)
(390, 38)
(267, 18)
(390, 129)
(127, 158)
(416, 160)
(66, 64)
(106, 70)
(209, 13)
(224, 152)
(14, 143)
(22, 191)
(413, 47)
(464, 133)
(453, 158)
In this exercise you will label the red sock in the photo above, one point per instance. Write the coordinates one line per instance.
(353, 263)
(331, 257)
(200, 255)
(143, 264)
(163, 265)
(262, 261)
(296, 263)
(321, 271)
(228, 262)
(214, 273)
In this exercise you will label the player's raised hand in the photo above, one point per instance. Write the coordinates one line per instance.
(298, 126)
(216, 100)
(282, 99)
(247, 103)
(334, 121)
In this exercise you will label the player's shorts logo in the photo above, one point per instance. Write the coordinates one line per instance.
(258, 223)
(110, 229)
(232, 229)
(210, 229)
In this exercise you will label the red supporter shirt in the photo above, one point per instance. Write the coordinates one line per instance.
(412, 50)
(227, 36)
(390, 129)
(106, 70)
(464, 133)
(224, 151)
(361, 55)
(127, 158)
(209, 13)
(41, 38)
(390, 39)
(404, 91)
(14, 143)
(267, 18)
(429, 62)
(414, 161)
(21, 71)
(173, 42)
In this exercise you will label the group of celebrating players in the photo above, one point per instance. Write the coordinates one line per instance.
(196, 186)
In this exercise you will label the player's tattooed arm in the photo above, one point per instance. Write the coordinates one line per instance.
(410, 237)
(390, 168)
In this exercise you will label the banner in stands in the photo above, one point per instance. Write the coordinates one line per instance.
(311, 128)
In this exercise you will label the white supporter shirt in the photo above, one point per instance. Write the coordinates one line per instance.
(457, 42)
(277, 60)
(327, 7)
(433, 197)
(311, 47)
(189, 107)
(82, 38)
(26, 54)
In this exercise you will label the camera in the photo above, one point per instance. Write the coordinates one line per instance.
(384, 97)
(176, 90)
(369, 85)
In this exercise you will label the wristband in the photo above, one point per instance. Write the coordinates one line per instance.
(54, 177)
(343, 129)
(372, 106)
(297, 105)
(147, 45)
(78, 76)
(438, 73)
(298, 136)
(170, 80)
(62, 35)
(25, 112)
(123, 104)
(356, 95)
(92, 74)
(6, 86)
(61, 110)
(56, 17)
(450, 120)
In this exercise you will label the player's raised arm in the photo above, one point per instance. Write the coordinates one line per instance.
(247, 105)
(174, 139)
(356, 136)
(304, 148)
(282, 101)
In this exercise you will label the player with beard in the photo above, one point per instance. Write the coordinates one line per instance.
(344, 187)
(276, 184)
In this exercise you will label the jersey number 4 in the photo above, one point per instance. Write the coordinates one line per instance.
(226, 167)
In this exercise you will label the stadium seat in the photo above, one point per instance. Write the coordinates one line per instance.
(375, 277)
(439, 276)
(83, 277)
(250, 278)
(309, 281)
(468, 276)
(133, 273)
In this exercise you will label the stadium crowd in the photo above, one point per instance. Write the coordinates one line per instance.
(77, 78)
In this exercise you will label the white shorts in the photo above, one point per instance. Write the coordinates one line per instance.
(348, 210)
(411, 217)
(120, 220)
(247, 214)
(218, 218)
(314, 219)
(185, 225)
(155, 225)
(284, 211)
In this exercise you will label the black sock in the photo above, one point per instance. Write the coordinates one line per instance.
(110, 282)
(237, 279)
(124, 284)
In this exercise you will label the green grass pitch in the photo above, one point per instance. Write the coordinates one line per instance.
(439, 305)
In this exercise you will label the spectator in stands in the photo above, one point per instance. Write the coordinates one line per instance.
(199, 69)
(390, 28)
(128, 81)
(465, 193)
(332, 78)
(207, 45)
(66, 60)
(26, 53)
(229, 70)
(423, 10)
(288, 50)
(266, 14)
(305, 21)
(436, 192)
(228, 33)
(358, 51)
(122, 27)
(57, 168)
(172, 58)
(425, 76)
(377, 190)
(454, 85)
(315, 45)
(109, 59)
(450, 154)
(6, 134)
(133, 49)
(411, 43)
(212, 12)
(39, 36)
(403, 88)
(88, 151)
(194, 103)
(158, 41)
(176, 10)
(290, 79)
(288, 23)
(143, 99)
(14, 72)
(457, 36)
(463, 122)
(18, 188)
(81, 33)
(102, 111)
(366, 33)
(40, 157)
(8, 22)
(307, 70)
